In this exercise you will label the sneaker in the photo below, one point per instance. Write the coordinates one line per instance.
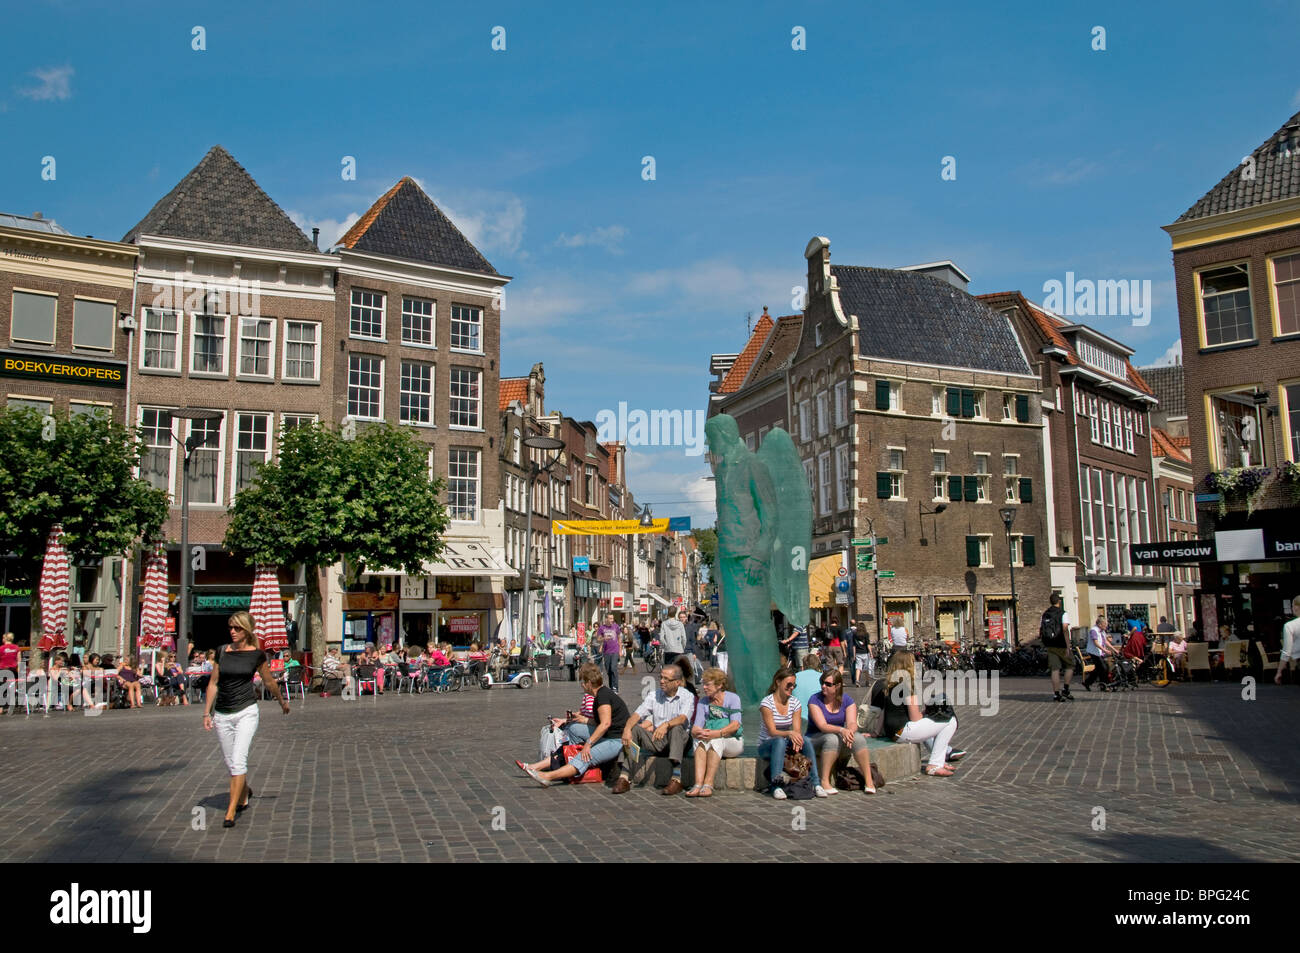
(1067, 696)
(819, 791)
(830, 791)
(956, 754)
(778, 794)
(1056, 697)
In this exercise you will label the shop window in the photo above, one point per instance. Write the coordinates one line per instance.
(1236, 437)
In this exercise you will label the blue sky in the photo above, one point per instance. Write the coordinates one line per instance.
(1067, 159)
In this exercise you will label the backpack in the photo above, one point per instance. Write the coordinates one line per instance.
(1050, 630)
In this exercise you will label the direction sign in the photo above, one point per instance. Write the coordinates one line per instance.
(862, 542)
(886, 574)
(864, 563)
(881, 540)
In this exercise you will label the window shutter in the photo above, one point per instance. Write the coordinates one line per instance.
(954, 402)
(883, 490)
(882, 395)
(972, 489)
(968, 403)
(954, 488)
(1022, 408)
(1026, 490)
(972, 550)
(1027, 556)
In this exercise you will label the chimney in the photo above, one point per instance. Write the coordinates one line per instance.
(315, 238)
(37, 216)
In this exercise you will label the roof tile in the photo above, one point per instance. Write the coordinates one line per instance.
(513, 388)
(1277, 176)
(736, 376)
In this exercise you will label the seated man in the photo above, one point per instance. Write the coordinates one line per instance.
(662, 723)
(333, 670)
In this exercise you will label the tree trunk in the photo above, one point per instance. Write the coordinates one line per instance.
(315, 617)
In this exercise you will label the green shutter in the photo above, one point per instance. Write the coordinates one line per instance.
(1026, 490)
(883, 490)
(954, 402)
(972, 550)
(968, 403)
(1022, 408)
(972, 489)
(954, 488)
(1027, 550)
(882, 395)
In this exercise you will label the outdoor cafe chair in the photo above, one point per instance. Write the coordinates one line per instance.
(1268, 661)
(293, 682)
(1198, 658)
(365, 675)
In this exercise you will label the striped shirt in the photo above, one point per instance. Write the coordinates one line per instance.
(779, 721)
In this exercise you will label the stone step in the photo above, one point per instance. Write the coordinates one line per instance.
(896, 762)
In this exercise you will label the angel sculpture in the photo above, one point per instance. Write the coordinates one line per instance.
(764, 535)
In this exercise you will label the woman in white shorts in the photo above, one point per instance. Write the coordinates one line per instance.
(716, 734)
(232, 705)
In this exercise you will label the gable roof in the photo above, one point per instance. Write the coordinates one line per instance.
(779, 346)
(1054, 328)
(912, 317)
(1169, 384)
(1277, 176)
(218, 201)
(753, 348)
(1162, 445)
(404, 223)
(513, 388)
(32, 224)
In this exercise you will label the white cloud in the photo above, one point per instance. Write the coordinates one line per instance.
(718, 285)
(56, 83)
(331, 229)
(1062, 173)
(673, 485)
(1174, 355)
(609, 237)
(492, 221)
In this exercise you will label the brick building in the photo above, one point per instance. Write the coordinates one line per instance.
(417, 313)
(64, 348)
(1097, 453)
(1176, 498)
(1237, 273)
(908, 396)
(235, 314)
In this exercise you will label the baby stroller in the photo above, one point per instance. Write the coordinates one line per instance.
(1124, 675)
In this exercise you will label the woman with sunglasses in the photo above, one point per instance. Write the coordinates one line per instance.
(906, 721)
(834, 716)
(781, 727)
(231, 705)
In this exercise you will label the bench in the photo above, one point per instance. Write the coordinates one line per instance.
(896, 762)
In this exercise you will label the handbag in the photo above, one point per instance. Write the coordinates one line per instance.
(871, 720)
(940, 711)
(796, 765)
(550, 741)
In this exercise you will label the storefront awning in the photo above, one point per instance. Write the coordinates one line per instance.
(822, 575)
(660, 599)
(460, 558)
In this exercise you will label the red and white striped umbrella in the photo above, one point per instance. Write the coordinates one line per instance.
(267, 611)
(153, 608)
(54, 592)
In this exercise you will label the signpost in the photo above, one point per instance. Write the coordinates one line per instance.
(886, 574)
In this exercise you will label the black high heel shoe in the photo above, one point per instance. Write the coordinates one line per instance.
(228, 821)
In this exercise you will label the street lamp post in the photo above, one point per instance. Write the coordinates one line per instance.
(1008, 514)
(534, 470)
(188, 446)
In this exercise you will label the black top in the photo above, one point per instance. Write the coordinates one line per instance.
(896, 715)
(617, 712)
(235, 679)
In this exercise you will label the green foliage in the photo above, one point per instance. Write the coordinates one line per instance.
(707, 541)
(83, 478)
(369, 500)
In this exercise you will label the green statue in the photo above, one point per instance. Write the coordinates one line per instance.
(764, 536)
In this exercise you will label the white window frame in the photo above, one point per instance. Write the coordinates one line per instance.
(895, 397)
(380, 399)
(897, 470)
(236, 451)
(432, 316)
(477, 458)
(54, 324)
(175, 335)
(171, 444)
(225, 345)
(939, 402)
(316, 350)
(477, 402)
(455, 320)
(841, 404)
(430, 394)
(367, 308)
(1012, 477)
(810, 472)
(218, 454)
(1017, 550)
(979, 401)
(240, 373)
(824, 483)
(983, 478)
(805, 432)
(1202, 330)
(843, 479)
(986, 550)
(112, 325)
(823, 413)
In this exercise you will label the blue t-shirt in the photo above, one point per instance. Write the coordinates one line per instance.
(807, 684)
(833, 719)
(800, 638)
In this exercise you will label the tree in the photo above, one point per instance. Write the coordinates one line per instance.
(78, 471)
(369, 501)
(707, 541)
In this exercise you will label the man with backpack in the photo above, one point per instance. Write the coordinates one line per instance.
(1053, 630)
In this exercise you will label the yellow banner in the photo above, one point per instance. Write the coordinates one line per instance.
(605, 527)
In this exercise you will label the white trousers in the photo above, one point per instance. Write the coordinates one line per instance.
(235, 732)
(725, 747)
(927, 730)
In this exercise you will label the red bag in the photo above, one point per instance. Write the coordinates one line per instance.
(594, 774)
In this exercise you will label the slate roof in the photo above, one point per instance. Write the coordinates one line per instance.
(780, 345)
(736, 376)
(404, 223)
(911, 317)
(1163, 445)
(1168, 383)
(1051, 325)
(218, 201)
(47, 225)
(1277, 176)
(513, 388)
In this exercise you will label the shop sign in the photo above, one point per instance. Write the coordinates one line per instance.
(1189, 551)
(618, 602)
(643, 607)
(997, 630)
(232, 603)
(463, 625)
(369, 601)
(15, 595)
(64, 370)
(557, 590)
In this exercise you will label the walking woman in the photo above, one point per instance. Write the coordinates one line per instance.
(231, 697)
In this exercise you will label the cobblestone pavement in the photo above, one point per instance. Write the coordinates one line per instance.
(1187, 773)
